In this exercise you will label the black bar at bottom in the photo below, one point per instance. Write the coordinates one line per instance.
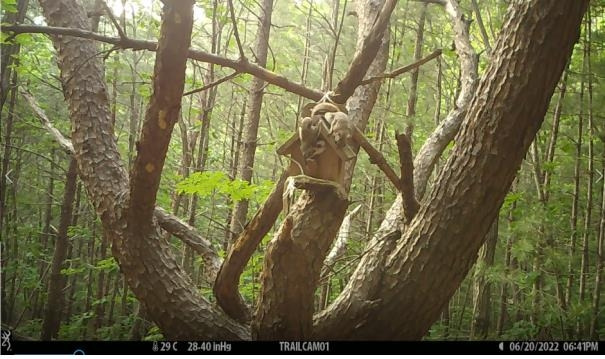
(303, 347)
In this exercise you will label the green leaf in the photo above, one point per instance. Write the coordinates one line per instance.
(204, 184)
(109, 264)
(9, 6)
(72, 271)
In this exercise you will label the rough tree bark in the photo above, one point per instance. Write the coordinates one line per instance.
(428, 260)
(446, 234)
(127, 213)
(293, 263)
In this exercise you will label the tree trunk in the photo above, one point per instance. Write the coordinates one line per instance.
(9, 52)
(600, 260)
(503, 312)
(127, 213)
(255, 100)
(293, 263)
(575, 199)
(99, 307)
(483, 288)
(56, 297)
(450, 225)
(484, 35)
(413, 93)
(6, 155)
(581, 328)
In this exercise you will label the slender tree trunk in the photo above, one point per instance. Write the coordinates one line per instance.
(38, 306)
(305, 62)
(10, 52)
(236, 144)
(600, 260)
(11, 227)
(99, 307)
(584, 267)
(56, 297)
(6, 315)
(413, 93)
(482, 287)
(114, 295)
(575, 199)
(328, 68)
(503, 312)
(484, 35)
(90, 278)
(255, 100)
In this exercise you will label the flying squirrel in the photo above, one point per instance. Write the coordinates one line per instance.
(337, 121)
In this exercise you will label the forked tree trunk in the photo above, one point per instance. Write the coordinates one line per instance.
(412, 282)
(293, 263)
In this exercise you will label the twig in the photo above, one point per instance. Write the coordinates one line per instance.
(212, 84)
(243, 67)
(403, 69)
(236, 32)
(113, 20)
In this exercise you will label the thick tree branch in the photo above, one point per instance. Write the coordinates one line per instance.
(162, 113)
(227, 280)
(239, 66)
(190, 237)
(434, 145)
(410, 204)
(403, 69)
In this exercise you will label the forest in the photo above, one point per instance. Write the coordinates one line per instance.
(302, 169)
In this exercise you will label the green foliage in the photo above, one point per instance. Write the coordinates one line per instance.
(532, 228)
(154, 334)
(9, 6)
(108, 264)
(68, 272)
(205, 184)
